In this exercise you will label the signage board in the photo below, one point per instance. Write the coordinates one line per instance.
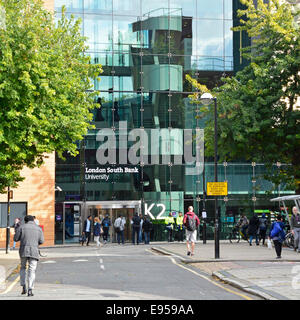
(217, 188)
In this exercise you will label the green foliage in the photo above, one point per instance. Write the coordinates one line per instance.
(257, 115)
(45, 104)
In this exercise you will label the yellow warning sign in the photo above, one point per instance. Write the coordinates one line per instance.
(217, 188)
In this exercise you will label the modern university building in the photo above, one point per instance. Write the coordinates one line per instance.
(142, 155)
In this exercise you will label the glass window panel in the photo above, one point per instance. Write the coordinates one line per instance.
(69, 4)
(157, 74)
(98, 30)
(187, 7)
(96, 6)
(127, 7)
(228, 38)
(184, 42)
(210, 38)
(228, 9)
(124, 33)
(208, 10)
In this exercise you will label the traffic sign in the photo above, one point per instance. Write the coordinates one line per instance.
(217, 188)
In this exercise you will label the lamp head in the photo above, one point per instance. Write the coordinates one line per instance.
(206, 98)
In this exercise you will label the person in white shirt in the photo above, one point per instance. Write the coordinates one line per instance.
(119, 225)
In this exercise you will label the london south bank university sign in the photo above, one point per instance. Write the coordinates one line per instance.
(103, 174)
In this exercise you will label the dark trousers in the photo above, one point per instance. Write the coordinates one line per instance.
(180, 235)
(105, 233)
(262, 235)
(120, 236)
(87, 237)
(170, 234)
(135, 234)
(278, 247)
(147, 237)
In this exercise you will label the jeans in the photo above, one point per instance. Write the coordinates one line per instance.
(32, 264)
(96, 238)
(135, 231)
(105, 233)
(278, 247)
(88, 237)
(120, 235)
(140, 235)
(251, 238)
(147, 237)
(297, 238)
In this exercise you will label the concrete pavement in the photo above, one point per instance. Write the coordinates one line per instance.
(253, 269)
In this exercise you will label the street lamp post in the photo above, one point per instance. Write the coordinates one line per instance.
(206, 99)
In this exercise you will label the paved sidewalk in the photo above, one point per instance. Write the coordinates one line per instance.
(253, 269)
(8, 263)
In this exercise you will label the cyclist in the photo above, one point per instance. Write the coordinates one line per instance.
(243, 224)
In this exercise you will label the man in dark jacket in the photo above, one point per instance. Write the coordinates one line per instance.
(278, 235)
(136, 223)
(263, 225)
(253, 229)
(87, 227)
(147, 227)
(31, 236)
(105, 226)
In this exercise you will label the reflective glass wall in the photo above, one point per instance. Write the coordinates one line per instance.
(146, 49)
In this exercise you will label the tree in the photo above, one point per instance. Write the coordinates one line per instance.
(258, 119)
(45, 102)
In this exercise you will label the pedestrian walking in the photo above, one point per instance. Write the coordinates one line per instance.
(277, 234)
(191, 223)
(263, 226)
(16, 226)
(105, 226)
(136, 224)
(119, 226)
(97, 231)
(87, 230)
(253, 229)
(30, 237)
(180, 227)
(243, 224)
(141, 228)
(147, 227)
(295, 227)
(170, 222)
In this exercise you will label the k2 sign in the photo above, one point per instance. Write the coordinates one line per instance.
(160, 215)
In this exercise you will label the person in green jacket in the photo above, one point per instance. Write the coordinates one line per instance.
(169, 221)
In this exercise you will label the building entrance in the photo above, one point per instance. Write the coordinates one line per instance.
(71, 216)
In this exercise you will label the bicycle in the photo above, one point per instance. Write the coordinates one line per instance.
(289, 240)
(236, 235)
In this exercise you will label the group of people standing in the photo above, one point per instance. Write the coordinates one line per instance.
(140, 226)
(257, 228)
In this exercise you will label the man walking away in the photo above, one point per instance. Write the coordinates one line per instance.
(119, 226)
(147, 227)
(253, 229)
(105, 226)
(136, 223)
(263, 225)
(191, 222)
(87, 229)
(278, 235)
(180, 227)
(30, 236)
(295, 226)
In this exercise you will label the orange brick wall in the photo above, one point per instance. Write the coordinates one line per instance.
(38, 190)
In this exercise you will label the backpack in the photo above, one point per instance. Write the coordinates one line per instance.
(191, 223)
(117, 225)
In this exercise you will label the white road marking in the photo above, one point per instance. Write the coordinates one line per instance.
(50, 261)
(80, 260)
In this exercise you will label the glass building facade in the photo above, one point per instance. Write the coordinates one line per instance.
(146, 48)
